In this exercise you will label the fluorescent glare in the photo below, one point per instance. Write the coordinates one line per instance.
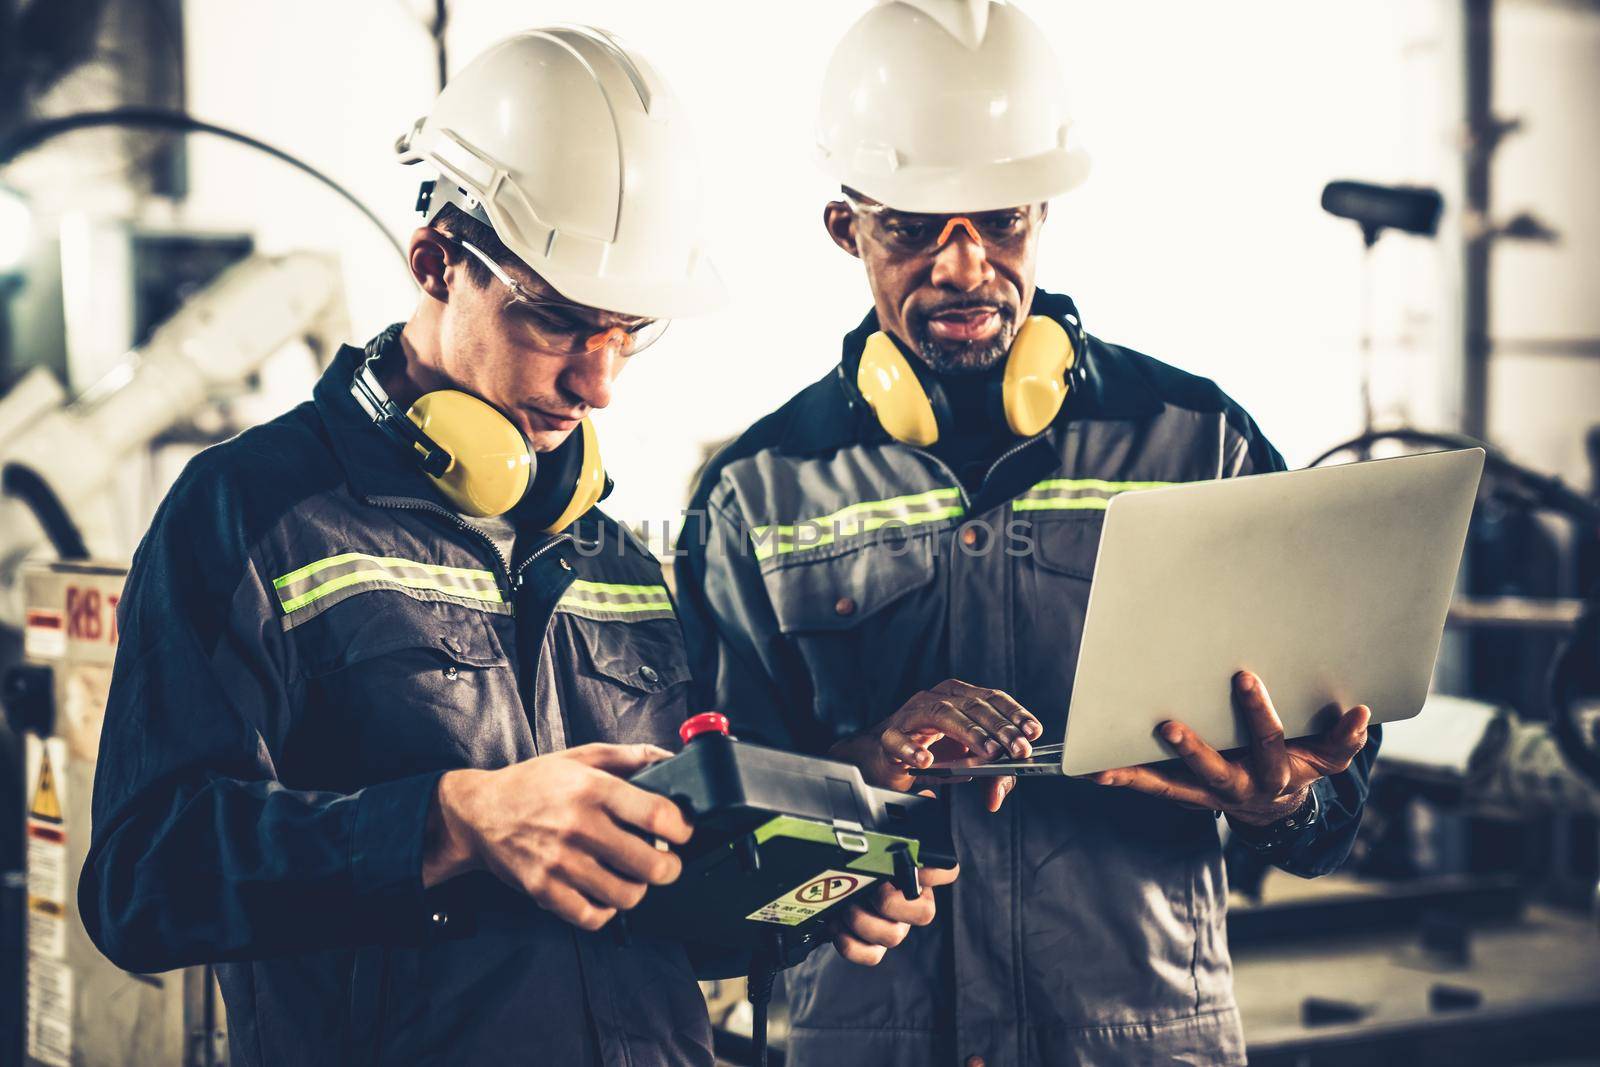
(16, 226)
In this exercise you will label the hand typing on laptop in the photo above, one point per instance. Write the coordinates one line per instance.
(949, 721)
(1257, 786)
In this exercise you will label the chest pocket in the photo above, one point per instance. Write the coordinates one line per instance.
(630, 682)
(862, 624)
(1068, 544)
(398, 686)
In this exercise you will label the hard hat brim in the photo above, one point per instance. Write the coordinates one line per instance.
(950, 190)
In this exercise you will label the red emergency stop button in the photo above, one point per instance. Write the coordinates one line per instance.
(707, 722)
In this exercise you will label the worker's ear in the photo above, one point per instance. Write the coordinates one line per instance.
(840, 221)
(429, 258)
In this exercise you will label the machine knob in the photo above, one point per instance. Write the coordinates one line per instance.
(707, 722)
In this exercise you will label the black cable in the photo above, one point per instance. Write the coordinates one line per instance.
(30, 135)
(1548, 491)
(26, 485)
(760, 992)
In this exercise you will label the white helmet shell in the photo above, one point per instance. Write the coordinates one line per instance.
(947, 106)
(577, 153)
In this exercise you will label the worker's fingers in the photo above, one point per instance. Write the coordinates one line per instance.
(891, 904)
(601, 885)
(983, 711)
(1332, 751)
(997, 789)
(624, 851)
(908, 747)
(1019, 716)
(1159, 784)
(932, 876)
(868, 927)
(621, 760)
(1268, 759)
(567, 903)
(1221, 776)
(651, 814)
(857, 951)
(951, 720)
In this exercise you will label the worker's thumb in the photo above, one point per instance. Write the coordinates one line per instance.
(621, 760)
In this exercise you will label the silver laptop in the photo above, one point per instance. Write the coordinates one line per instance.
(1332, 584)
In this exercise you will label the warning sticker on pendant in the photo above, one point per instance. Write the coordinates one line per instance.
(805, 900)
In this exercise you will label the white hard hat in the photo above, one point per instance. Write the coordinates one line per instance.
(947, 106)
(571, 146)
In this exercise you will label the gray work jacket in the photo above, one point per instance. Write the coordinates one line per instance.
(827, 573)
(309, 639)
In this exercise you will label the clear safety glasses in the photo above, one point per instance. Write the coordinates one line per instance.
(565, 328)
(910, 233)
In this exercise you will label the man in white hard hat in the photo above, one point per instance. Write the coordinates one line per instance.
(385, 668)
(917, 531)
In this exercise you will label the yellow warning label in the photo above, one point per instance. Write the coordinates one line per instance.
(46, 804)
(811, 897)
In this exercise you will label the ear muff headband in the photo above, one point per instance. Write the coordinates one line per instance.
(1034, 386)
(479, 460)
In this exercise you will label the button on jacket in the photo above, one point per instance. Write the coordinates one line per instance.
(309, 639)
(828, 573)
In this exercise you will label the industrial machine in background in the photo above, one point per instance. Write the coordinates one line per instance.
(83, 1010)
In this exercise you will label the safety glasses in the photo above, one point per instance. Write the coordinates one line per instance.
(911, 233)
(565, 328)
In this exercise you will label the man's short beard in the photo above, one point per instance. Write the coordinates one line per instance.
(966, 357)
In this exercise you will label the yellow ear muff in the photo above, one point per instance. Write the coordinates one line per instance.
(590, 484)
(1035, 383)
(490, 466)
(890, 387)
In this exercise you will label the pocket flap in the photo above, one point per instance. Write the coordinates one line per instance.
(647, 656)
(355, 632)
(1069, 544)
(839, 592)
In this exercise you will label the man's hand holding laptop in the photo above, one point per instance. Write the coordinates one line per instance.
(1257, 786)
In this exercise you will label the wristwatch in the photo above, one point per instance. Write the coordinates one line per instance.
(1274, 835)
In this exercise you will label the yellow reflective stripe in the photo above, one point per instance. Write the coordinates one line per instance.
(1076, 494)
(491, 596)
(931, 496)
(583, 586)
(334, 561)
(1077, 503)
(862, 518)
(611, 605)
(1094, 483)
(766, 549)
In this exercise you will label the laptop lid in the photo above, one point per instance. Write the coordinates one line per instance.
(1332, 584)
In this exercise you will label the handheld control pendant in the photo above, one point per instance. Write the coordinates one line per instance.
(781, 841)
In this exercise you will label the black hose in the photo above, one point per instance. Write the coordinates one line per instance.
(760, 991)
(26, 485)
(30, 135)
(1548, 491)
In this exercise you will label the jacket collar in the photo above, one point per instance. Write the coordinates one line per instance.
(374, 465)
(832, 413)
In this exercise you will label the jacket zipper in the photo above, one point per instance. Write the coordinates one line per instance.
(513, 579)
(966, 501)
